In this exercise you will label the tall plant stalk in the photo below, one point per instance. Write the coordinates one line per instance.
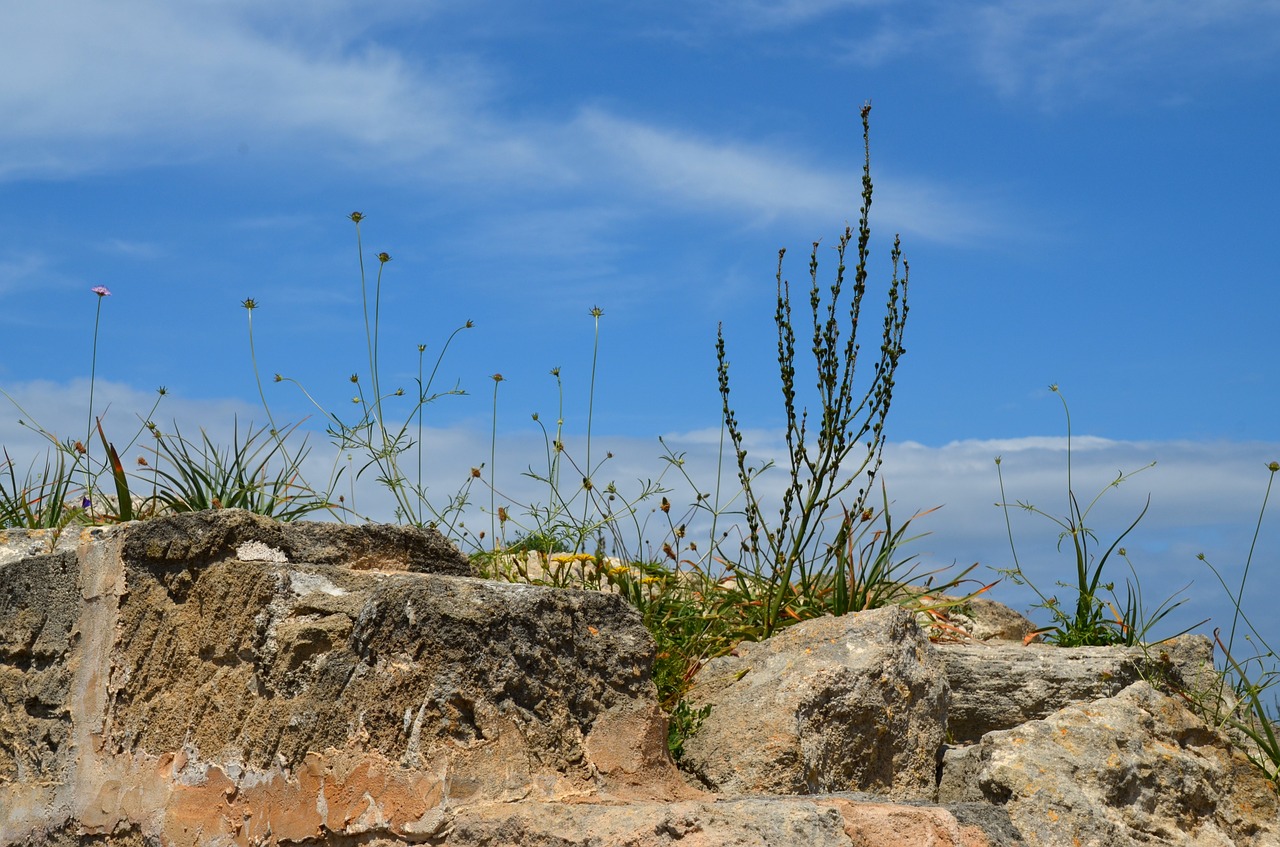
(850, 432)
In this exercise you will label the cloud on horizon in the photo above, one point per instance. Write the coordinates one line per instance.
(1205, 496)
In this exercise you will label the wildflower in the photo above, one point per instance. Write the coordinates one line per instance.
(555, 371)
(666, 505)
(596, 312)
(279, 378)
(249, 303)
(101, 290)
(498, 377)
(475, 473)
(867, 514)
(86, 503)
(80, 448)
(142, 461)
(422, 348)
(502, 514)
(355, 377)
(1273, 467)
(356, 217)
(469, 324)
(399, 392)
(384, 257)
(162, 391)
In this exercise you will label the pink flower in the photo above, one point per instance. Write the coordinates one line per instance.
(101, 290)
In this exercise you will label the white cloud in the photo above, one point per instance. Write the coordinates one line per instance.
(132, 249)
(1059, 51)
(767, 14)
(767, 183)
(117, 86)
(143, 79)
(20, 270)
(1205, 496)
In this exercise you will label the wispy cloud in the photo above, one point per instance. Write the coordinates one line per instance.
(132, 249)
(1064, 52)
(144, 80)
(20, 270)
(1053, 52)
(1087, 49)
(766, 14)
(767, 183)
(125, 85)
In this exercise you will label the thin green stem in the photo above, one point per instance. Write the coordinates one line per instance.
(493, 464)
(249, 305)
(596, 313)
(422, 400)
(1244, 577)
(93, 376)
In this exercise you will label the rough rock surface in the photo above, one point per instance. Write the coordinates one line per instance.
(829, 821)
(1134, 769)
(999, 686)
(219, 679)
(156, 681)
(855, 703)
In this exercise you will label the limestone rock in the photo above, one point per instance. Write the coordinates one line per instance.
(998, 686)
(194, 538)
(831, 821)
(855, 703)
(155, 683)
(1135, 769)
(974, 619)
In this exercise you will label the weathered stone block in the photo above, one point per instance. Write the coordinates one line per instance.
(1134, 769)
(191, 680)
(1001, 685)
(855, 703)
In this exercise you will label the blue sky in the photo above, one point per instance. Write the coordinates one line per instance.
(1086, 192)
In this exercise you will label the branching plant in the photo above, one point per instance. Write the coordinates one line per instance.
(848, 444)
(381, 443)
